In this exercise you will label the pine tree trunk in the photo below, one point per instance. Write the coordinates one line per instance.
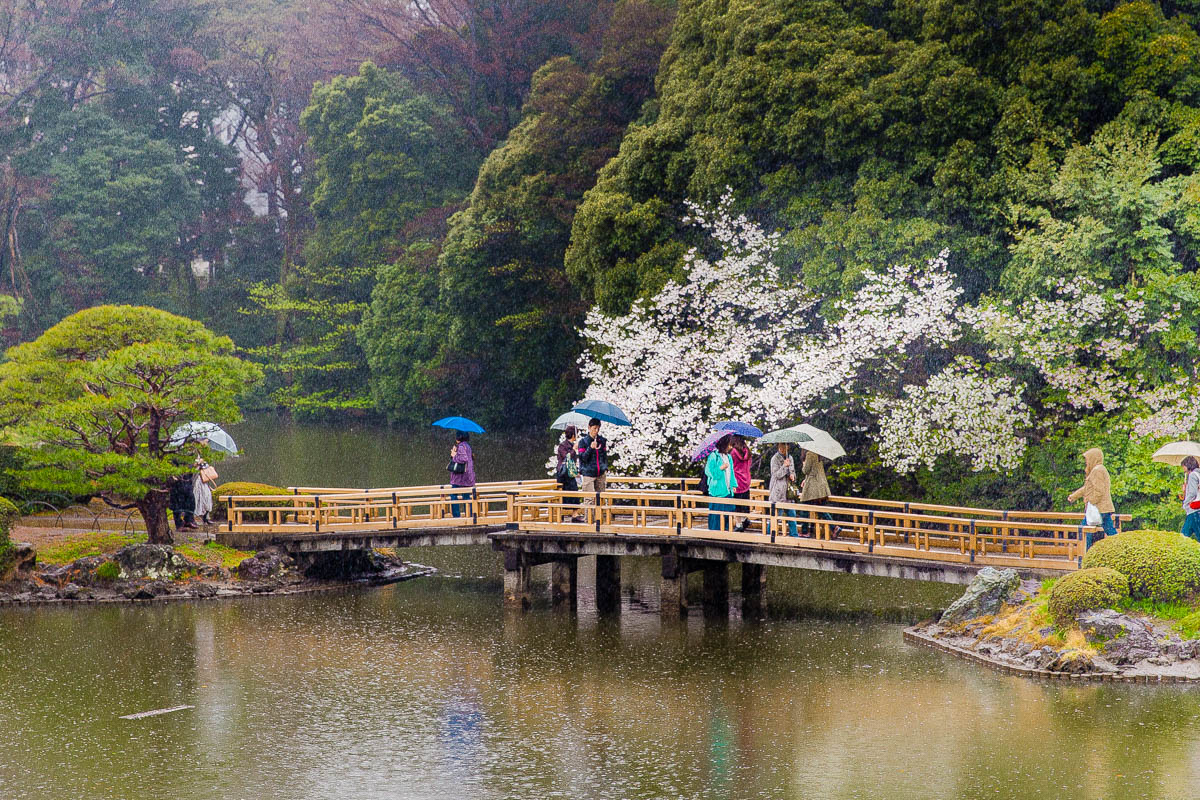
(154, 513)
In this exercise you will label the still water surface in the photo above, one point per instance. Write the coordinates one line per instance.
(428, 689)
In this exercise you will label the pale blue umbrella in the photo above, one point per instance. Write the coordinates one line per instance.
(580, 421)
(603, 411)
(459, 424)
(204, 432)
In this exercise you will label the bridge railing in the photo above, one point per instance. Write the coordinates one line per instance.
(831, 526)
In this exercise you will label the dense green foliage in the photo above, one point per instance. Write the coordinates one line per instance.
(238, 489)
(95, 399)
(883, 132)
(1097, 587)
(9, 514)
(494, 324)
(1161, 566)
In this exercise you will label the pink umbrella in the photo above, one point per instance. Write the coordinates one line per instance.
(708, 445)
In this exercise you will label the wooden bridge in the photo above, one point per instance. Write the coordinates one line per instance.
(533, 522)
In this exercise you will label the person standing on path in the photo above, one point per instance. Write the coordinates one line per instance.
(783, 472)
(815, 488)
(567, 470)
(1097, 490)
(1191, 493)
(593, 462)
(205, 482)
(742, 458)
(182, 500)
(718, 471)
(461, 477)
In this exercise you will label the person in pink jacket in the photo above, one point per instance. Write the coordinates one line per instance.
(742, 458)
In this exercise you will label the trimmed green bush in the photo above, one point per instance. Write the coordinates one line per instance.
(9, 514)
(1161, 565)
(1098, 587)
(241, 489)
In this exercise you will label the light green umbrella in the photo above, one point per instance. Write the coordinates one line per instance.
(789, 435)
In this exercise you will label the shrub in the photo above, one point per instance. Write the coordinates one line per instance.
(1160, 565)
(1098, 587)
(9, 514)
(108, 571)
(240, 489)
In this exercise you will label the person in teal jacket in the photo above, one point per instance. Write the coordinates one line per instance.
(718, 470)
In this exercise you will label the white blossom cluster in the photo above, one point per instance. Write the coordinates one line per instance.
(961, 411)
(687, 357)
(735, 339)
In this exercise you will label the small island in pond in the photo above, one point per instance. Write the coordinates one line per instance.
(1131, 613)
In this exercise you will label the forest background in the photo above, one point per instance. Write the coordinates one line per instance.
(407, 209)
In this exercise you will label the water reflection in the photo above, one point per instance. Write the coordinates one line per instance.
(426, 690)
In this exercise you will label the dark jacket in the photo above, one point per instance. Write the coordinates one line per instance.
(182, 496)
(593, 463)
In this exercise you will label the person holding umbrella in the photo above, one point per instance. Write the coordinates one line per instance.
(783, 472)
(814, 490)
(567, 471)
(1191, 494)
(718, 471)
(739, 452)
(462, 469)
(593, 462)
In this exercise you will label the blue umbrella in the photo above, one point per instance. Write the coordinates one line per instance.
(459, 424)
(708, 444)
(603, 411)
(204, 432)
(739, 427)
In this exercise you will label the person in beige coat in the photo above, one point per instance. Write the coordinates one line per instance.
(814, 490)
(1097, 490)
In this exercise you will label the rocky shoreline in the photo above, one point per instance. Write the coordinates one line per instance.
(999, 622)
(157, 573)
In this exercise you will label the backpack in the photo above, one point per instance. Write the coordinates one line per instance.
(703, 478)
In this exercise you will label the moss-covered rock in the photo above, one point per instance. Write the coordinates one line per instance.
(241, 489)
(1160, 565)
(1098, 587)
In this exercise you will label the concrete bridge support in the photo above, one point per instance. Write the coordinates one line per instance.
(716, 590)
(673, 594)
(564, 583)
(608, 584)
(754, 591)
(517, 580)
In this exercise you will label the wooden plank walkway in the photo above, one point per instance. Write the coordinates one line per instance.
(330, 518)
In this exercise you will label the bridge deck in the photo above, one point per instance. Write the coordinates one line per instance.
(645, 513)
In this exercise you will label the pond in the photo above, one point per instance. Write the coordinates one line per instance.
(429, 689)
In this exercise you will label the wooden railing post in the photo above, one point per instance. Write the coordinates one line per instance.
(474, 506)
(513, 515)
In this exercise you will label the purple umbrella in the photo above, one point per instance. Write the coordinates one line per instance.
(708, 445)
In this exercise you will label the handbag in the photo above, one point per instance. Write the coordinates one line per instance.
(456, 467)
(1091, 515)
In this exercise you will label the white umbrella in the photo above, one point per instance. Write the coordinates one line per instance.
(580, 421)
(822, 443)
(204, 431)
(1175, 452)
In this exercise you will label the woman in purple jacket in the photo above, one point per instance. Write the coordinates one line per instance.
(461, 454)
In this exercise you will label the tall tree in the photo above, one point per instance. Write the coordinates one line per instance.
(384, 156)
(96, 398)
(511, 315)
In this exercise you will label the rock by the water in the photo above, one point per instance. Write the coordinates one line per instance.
(154, 561)
(265, 564)
(72, 591)
(24, 559)
(202, 590)
(986, 593)
(1126, 640)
